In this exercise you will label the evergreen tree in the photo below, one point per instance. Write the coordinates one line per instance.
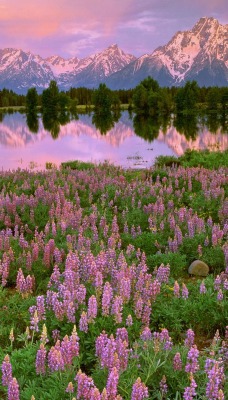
(32, 101)
(102, 99)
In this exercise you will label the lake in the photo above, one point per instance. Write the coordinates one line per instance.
(128, 141)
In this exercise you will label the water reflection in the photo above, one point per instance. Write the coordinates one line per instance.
(33, 122)
(119, 138)
(187, 125)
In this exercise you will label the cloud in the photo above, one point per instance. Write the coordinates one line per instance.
(82, 27)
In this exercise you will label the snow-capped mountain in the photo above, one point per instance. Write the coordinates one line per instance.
(200, 54)
(21, 70)
(93, 70)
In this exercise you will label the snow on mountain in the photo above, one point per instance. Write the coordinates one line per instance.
(92, 71)
(59, 65)
(21, 70)
(200, 53)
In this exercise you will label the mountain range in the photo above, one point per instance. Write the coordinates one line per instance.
(199, 54)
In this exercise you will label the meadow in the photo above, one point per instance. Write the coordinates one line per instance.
(96, 301)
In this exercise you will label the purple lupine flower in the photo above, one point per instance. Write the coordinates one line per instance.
(83, 322)
(6, 371)
(192, 358)
(41, 360)
(34, 319)
(202, 288)
(190, 391)
(146, 334)
(165, 338)
(190, 337)
(55, 335)
(139, 390)
(40, 304)
(216, 378)
(184, 291)
(163, 386)
(225, 284)
(13, 390)
(112, 383)
(66, 350)
(55, 359)
(220, 295)
(163, 273)
(85, 385)
(217, 282)
(177, 362)
(122, 334)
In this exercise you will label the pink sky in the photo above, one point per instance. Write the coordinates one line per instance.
(83, 27)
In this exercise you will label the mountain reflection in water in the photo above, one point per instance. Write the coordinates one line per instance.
(122, 139)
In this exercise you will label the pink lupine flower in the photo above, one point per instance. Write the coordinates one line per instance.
(129, 320)
(70, 388)
(177, 362)
(176, 289)
(106, 298)
(112, 383)
(117, 308)
(83, 322)
(163, 386)
(202, 288)
(184, 291)
(139, 390)
(74, 340)
(92, 308)
(85, 385)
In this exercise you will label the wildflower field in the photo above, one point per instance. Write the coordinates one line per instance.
(96, 302)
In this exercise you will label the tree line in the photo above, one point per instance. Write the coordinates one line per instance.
(146, 98)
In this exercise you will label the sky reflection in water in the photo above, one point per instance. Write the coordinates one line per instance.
(80, 139)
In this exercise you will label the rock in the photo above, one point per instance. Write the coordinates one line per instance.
(199, 268)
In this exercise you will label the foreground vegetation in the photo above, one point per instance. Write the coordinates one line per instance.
(96, 301)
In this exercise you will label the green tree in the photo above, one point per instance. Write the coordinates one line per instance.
(32, 101)
(140, 100)
(146, 96)
(102, 99)
(50, 99)
(187, 97)
(213, 98)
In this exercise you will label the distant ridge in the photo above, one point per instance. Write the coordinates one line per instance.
(199, 54)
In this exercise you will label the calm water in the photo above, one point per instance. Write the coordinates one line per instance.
(130, 142)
